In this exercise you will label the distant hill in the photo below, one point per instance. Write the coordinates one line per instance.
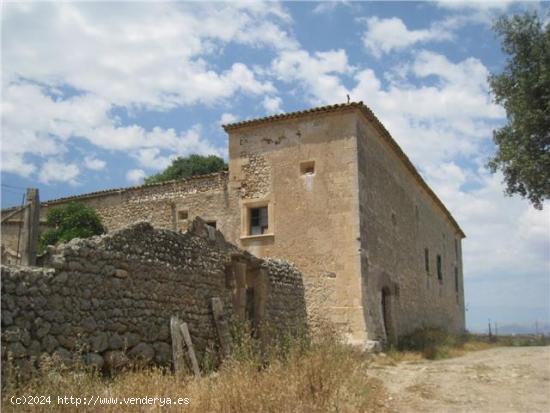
(543, 328)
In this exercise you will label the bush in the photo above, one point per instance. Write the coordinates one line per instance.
(433, 343)
(72, 221)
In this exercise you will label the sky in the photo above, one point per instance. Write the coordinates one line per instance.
(98, 95)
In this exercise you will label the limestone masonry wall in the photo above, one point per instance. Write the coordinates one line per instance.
(399, 224)
(203, 196)
(111, 297)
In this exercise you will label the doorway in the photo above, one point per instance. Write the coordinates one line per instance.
(387, 316)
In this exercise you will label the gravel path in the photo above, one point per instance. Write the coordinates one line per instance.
(503, 380)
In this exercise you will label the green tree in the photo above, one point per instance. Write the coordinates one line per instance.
(74, 220)
(190, 166)
(523, 89)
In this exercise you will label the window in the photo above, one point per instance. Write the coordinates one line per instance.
(439, 271)
(427, 260)
(182, 215)
(456, 279)
(307, 168)
(258, 221)
(211, 223)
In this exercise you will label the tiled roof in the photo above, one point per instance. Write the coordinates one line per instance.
(365, 110)
(290, 115)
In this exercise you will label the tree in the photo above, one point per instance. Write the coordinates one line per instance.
(190, 166)
(523, 89)
(72, 221)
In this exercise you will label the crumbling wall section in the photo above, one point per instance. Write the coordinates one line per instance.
(110, 298)
(285, 306)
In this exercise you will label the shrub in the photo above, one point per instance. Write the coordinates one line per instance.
(432, 342)
(74, 220)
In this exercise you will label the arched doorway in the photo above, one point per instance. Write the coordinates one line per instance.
(387, 318)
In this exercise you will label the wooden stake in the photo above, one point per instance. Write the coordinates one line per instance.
(190, 350)
(222, 327)
(177, 346)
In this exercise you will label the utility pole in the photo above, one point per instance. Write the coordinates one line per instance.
(490, 333)
(31, 223)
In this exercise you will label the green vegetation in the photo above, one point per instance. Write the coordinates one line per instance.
(190, 166)
(523, 88)
(292, 375)
(434, 343)
(72, 221)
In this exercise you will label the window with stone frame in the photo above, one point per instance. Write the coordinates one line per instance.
(259, 222)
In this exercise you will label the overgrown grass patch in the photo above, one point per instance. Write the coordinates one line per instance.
(435, 343)
(294, 375)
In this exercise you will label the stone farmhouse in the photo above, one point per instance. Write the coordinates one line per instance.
(329, 190)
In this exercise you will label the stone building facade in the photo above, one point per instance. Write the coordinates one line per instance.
(329, 190)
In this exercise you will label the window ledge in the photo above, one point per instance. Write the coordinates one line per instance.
(260, 236)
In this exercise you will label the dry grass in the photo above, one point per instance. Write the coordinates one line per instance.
(325, 376)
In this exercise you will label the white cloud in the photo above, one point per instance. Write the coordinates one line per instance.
(135, 176)
(57, 171)
(499, 5)
(329, 6)
(438, 121)
(121, 56)
(94, 164)
(387, 35)
(227, 118)
(272, 104)
(150, 158)
(317, 73)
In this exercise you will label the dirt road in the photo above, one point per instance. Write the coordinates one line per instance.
(503, 380)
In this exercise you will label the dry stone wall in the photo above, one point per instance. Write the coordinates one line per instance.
(111, 297)
(285, 307)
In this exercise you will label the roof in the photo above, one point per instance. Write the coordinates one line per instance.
(292, 115)
(368, 113)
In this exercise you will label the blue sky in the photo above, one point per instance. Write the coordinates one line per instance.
(98, 95)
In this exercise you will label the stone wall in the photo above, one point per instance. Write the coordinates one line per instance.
(399, 220)
(304, 170)
(285, 306)
(111, 297)
(205, 196)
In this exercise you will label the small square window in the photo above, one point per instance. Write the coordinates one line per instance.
(307, 168)
(258, 221)
(183, 215)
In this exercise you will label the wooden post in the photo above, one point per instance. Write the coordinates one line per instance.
(222, 327)
(31, 221)
(190, 350)
(177, 346)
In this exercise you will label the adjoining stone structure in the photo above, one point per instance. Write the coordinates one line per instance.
(112, 297)
(329, 190)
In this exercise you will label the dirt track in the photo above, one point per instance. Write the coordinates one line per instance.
(503, 380)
